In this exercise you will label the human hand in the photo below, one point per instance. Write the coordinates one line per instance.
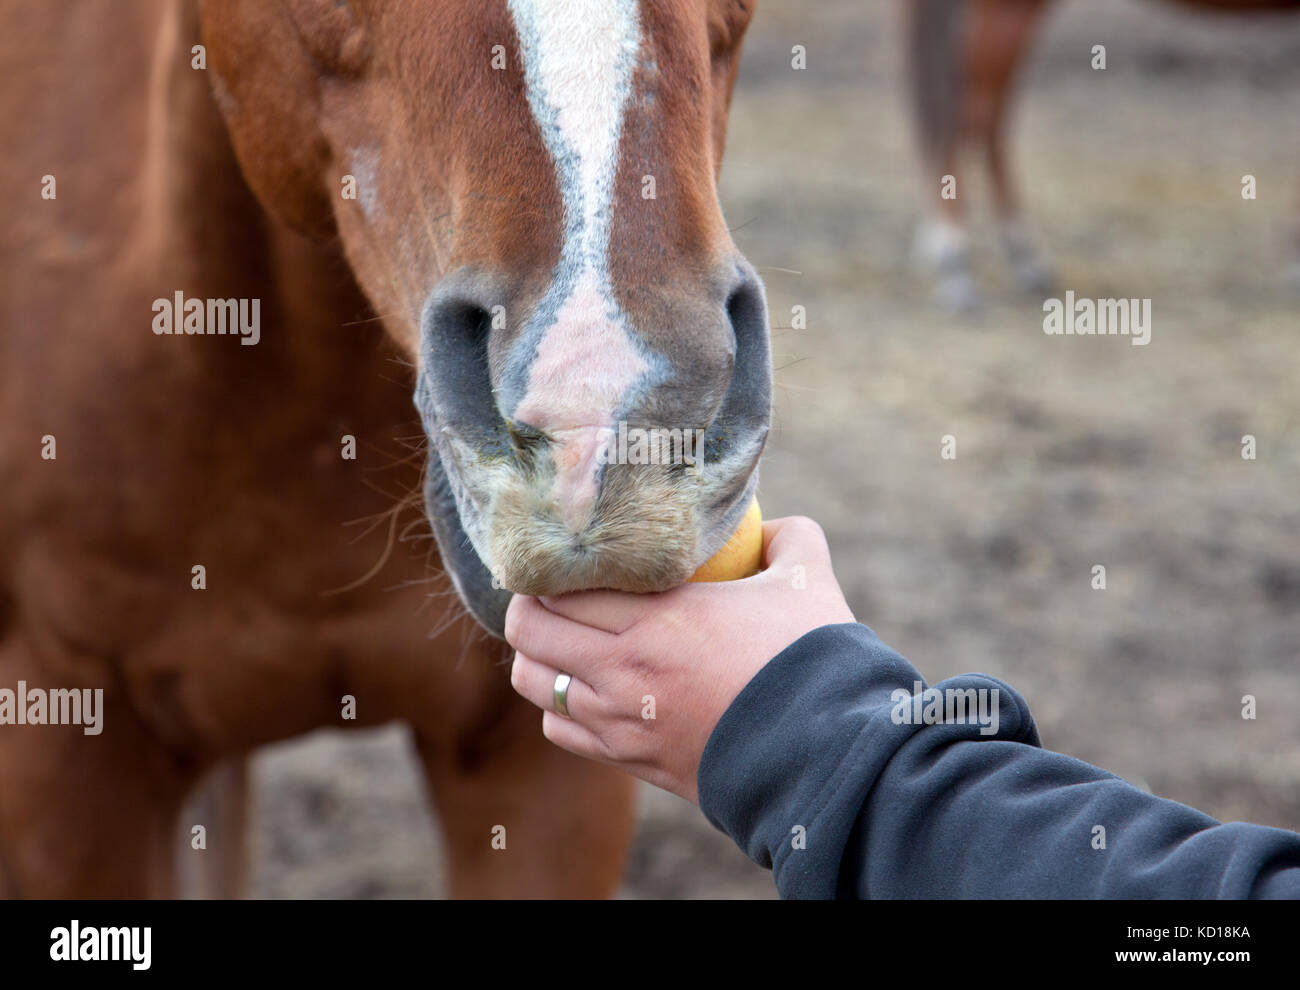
(653, 674)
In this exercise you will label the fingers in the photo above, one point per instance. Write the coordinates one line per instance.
(787, 541)
(576, 733)
(576, 738)
(536, 682)
(551, 638)
(612, 611)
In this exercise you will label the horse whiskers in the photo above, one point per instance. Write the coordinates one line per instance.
(391, 461)
(374, 521)
(408, 533)
(415, 454)
(483, 635)
(369, 319)
(393, 381)
(401, 503)
(418, 446)
(456, 615)
(464, 647)
(433, 596)
(379, 565)
(413, 582)
(394, 536)
(505, 650)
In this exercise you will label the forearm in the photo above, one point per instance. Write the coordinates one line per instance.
(819, 771)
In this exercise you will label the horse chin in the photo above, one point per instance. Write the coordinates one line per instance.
(485, 599)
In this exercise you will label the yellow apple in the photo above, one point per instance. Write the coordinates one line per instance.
(741, 556)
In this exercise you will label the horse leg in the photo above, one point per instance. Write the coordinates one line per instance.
(522, 818)
(935, 31)
(84, 816)
(220, 805)
(996, 45)
(1292, 274)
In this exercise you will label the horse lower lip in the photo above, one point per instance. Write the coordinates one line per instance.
(583, 569)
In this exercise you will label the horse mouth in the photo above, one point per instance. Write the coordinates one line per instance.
(642, 537)
(650, 531)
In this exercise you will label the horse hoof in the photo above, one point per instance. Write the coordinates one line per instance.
(1035, 279)
(1030, 274)
(957, 295)
(1291, 280)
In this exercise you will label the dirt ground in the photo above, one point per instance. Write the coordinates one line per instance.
(1071, 451)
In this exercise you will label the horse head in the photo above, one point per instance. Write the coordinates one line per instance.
(526, 191)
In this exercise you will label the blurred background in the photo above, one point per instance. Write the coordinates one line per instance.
(1071, 451)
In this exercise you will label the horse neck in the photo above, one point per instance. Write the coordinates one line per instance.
(195, 206)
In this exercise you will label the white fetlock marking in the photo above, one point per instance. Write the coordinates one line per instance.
(940, 243)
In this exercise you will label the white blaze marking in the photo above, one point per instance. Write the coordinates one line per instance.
(584, 363)
(579, 57)
(365, 169)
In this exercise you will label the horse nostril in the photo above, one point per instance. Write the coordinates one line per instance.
(746, 408)
(456, 331)
(472, 322)
(747, 313)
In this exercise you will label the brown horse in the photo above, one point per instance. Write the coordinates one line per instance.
(241, 235)
(964, 56)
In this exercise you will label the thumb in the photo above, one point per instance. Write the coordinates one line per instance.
(794, 540)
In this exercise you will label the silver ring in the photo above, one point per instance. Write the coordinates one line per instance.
(561, 692)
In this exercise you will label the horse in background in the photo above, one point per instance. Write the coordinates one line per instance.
(963, 60)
